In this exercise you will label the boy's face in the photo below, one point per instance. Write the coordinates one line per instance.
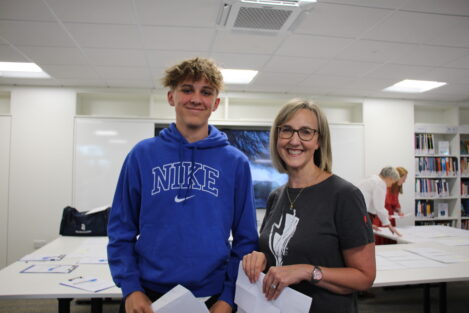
(194, 102)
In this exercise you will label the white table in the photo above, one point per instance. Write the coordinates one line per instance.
(38, 285)
(47, 285)
(429, 233)
(428, 276)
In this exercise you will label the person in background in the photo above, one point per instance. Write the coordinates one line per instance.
(374, 190)
(315, 236)
(392, 203)
(392, 195)
(178, 198)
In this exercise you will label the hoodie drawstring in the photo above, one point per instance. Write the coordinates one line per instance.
(189, 174)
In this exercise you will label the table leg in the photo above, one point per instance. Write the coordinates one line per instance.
(96, 305)
(427, 304)
(443, 303)
(64, 305)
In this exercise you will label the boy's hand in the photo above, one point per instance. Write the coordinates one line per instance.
(221, 307)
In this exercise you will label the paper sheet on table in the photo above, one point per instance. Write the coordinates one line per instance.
(439, 255)
(391, 260)
(92, 284)
(397, 216)
(250, 299)
(178, 300)
(38, 257)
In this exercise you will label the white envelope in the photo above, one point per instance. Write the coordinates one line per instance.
(177, 300)
(250, 298)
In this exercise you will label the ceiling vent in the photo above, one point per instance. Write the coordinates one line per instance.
(261, 15)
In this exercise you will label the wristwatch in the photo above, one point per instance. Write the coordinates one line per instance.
(317, 275)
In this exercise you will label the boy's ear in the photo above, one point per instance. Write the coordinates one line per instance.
(215, 105)
(170, 97)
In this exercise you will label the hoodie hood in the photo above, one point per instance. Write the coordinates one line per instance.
(214, 139)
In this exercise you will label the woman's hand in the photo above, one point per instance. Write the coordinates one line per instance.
(253, 264)
(279, 277)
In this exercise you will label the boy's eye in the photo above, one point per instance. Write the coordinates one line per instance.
(207, 92)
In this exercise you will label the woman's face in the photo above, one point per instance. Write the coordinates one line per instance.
(401, 181)
(295, 152)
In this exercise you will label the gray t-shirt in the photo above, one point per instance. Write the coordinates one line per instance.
(327, 218)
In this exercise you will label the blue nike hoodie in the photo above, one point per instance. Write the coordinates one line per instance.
(173, 210)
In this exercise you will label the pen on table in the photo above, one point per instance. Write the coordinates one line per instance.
(86, 281)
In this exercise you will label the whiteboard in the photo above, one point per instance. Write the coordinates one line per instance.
(101, 146)
(5, 133)
(348, 151)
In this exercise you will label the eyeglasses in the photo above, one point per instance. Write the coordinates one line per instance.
(305, 133)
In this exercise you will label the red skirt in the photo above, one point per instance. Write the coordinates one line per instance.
(378, 239)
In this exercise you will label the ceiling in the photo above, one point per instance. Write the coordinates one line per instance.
(341, 48)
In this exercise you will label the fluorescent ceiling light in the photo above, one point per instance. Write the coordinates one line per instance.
(290, 3)
(232, 76)
(21, 70)
(414, 86)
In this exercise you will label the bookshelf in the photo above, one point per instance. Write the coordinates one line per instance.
(437, 186)
(441, 165)
(464, 174)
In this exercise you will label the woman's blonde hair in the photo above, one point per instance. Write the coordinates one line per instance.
(395, 188)
(323, 155)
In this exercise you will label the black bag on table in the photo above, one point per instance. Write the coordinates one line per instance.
(75, 223)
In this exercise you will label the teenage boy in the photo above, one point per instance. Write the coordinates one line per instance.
(178, 198)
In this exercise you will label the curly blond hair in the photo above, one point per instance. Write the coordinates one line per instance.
(194, 69)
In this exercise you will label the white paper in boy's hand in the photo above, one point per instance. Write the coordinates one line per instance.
(178, 300)
(250, 298)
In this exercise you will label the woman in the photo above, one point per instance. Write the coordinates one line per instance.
(315, 237)
(392, 195)
(374, 190)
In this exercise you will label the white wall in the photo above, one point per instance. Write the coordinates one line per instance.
(41, 156)
(389, 128)
(40, 165)
(5, 124)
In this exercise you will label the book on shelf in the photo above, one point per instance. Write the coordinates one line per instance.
(464, 207)
(443, 209)
(424, 144)
(443, 147)
(464, 146)
(464, 188)
(431, 187)
(436, 166)
(424, 208)
(465, 224)
(464, 166)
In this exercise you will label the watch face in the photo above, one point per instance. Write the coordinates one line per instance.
(317, 274)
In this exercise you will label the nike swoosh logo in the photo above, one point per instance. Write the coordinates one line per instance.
(178, 200)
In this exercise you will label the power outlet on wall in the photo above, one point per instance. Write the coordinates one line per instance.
(37, 243)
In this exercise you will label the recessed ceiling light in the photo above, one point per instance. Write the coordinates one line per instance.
(414, 86)
(21, 70)
(233, 76)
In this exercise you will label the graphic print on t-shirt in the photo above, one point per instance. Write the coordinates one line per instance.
(280, 235)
